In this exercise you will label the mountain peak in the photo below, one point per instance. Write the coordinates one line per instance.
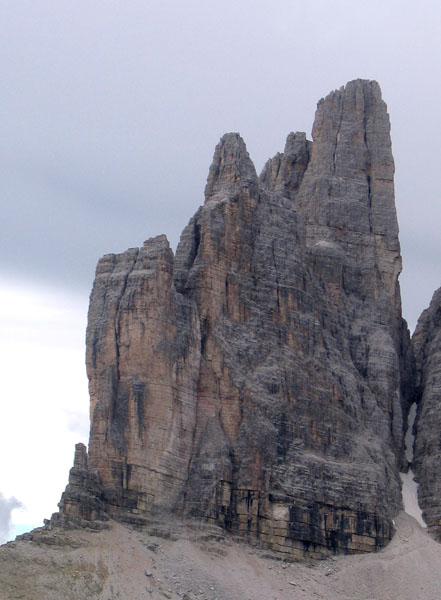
(260, 380)
(231, 169)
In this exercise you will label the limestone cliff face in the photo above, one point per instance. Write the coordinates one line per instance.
(143, 356)
(427, 463)
(258, 378)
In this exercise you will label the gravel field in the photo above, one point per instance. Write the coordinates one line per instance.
(123, 564)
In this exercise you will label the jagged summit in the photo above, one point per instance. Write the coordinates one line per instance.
(231, 168)
(356, 86)
(284, 172)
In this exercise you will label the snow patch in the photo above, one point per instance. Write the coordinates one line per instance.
(410, 486)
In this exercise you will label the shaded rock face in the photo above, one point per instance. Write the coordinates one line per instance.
(260, 378)
(427, 455)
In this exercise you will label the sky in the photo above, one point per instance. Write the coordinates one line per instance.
(110, 114)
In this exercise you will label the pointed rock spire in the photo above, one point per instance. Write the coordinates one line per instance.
(284, 172)
(231, 169)
(82, 503)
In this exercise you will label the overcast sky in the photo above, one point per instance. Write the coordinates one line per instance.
(110, 114)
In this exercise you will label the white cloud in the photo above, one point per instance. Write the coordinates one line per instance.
(78, 422)
(45, 397)
(7, 505)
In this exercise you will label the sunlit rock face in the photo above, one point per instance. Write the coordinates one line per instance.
(261, 378)
(143, 361)
(427, 457)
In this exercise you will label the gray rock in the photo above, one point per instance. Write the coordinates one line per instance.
(231, 169)
(284, 172)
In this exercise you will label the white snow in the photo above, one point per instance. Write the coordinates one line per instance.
(410, 486)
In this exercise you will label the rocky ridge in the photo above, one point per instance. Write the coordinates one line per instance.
(260, 379)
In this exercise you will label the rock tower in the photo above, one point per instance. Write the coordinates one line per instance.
(260, 378)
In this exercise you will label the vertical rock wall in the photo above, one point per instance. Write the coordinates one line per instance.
(143, 348)
(427, 455)
(258, 379)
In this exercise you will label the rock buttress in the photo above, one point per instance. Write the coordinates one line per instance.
(258, 378)
(427, 455)
(143, 346)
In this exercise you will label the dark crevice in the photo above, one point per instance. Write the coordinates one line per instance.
(120, 396)
(334, 154)
(368, 178)
(117, 324)
(368, 161)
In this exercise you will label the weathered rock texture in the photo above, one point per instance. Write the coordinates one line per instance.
(427, 456)
(260, 378)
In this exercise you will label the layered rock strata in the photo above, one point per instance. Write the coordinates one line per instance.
(259, 379)
(427, 455)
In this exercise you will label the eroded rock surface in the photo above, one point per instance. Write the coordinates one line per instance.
(427, 457)
(260, 379)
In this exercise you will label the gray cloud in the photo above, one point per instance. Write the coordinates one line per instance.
(111, 114)
(7, 505)
(78, 423)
